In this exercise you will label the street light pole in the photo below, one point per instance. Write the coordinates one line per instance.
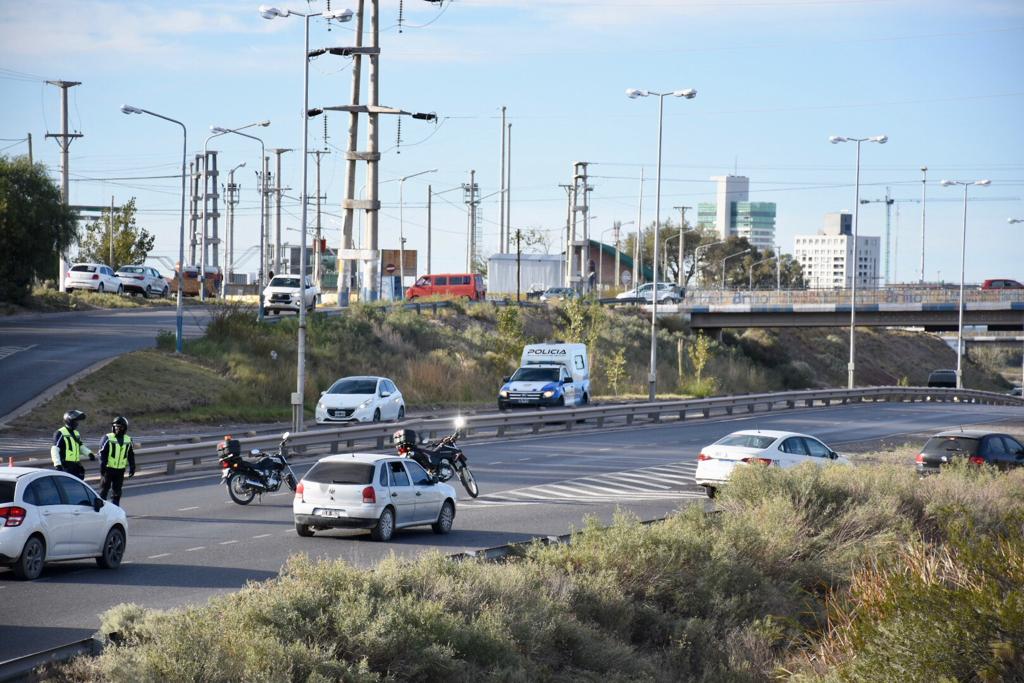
(1011, 221)
(963, 257)
(738, 253)
(924, 187)
(401, 227)
(633, 93)
(836, 139)
(179, 315)
(750, 284)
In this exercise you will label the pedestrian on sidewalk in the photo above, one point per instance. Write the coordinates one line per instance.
(67, 449)
(116, 455)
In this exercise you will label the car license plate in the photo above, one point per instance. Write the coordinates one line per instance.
(327, 512)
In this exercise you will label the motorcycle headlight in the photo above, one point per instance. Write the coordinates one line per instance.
(549, 393)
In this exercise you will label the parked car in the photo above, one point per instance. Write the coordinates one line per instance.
(558, 294)
(371, 491)
(94, 276)
(716, 462)
(143, 280)
(284, 294)
(943, 378)
(49, 516)
(1016, 391)
(360, 399)
(468, 285)
(978, 447)
(668, 293)
(1001, 283)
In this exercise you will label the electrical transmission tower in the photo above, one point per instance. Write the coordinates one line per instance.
(470, 194)
(579, 228)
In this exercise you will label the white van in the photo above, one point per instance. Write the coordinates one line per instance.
(548, 375)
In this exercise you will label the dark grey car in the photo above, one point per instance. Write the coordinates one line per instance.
(975, 446)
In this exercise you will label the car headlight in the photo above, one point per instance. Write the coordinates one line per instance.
(503, 393)
(549, 393)
(364, 404)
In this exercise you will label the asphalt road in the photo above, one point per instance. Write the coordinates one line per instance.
(38, 350)
(189, 542)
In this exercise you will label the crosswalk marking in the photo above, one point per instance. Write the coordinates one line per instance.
(6, 351)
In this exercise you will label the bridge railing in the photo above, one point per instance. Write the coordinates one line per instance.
(896, 296)
(377, 436)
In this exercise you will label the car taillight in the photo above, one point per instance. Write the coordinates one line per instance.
(702, 457)
(976, 460)
(300, 488)
(919, 459)
(758, 461)
(12, 516)
(369, 495)
(95, 276)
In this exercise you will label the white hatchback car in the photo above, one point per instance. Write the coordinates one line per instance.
(94, 276)
(143, 280)
(47, 516)
(371, 491)
(360, 399)
(716, 462)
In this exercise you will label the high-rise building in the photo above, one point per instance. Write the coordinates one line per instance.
(734, 215)
(827, 257)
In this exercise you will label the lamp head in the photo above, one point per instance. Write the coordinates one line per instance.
(241, 165)
(880, 139)
(338, 15)
(836, 139)
(128, 109)
(983, 182)
(947, 183)
(268, 12)
(633, 93)
(689, 93)
(264, 123)
(218, 129)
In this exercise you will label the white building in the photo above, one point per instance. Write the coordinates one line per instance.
(734, 215)
(827, 257)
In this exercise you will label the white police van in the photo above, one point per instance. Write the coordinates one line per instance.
(549, 375)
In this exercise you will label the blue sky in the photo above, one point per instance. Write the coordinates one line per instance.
(775, 78)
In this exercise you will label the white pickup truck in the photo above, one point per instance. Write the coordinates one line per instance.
(284, 294)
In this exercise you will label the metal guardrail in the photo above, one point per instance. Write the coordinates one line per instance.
(377, 435)
(24, 668)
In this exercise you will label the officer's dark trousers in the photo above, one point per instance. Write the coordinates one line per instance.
(75, 468)
(112, 478)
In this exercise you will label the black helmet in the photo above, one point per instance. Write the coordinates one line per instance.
(73, 417)
(405, 437)
(120, 421)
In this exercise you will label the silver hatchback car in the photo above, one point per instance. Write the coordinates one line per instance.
(371, 491)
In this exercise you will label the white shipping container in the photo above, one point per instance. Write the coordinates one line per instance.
(537, 273)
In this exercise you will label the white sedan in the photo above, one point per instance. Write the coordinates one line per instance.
(93, 276)
(47, 516)
(668, 293)
(143, 280)
(716, 462)
(360, 399)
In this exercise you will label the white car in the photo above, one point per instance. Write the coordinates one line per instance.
(94, 276)
(360, 399)
(371, 491)
(47, 516)
(716, 462)
(143, 280)
(668, 293)
(284, 294)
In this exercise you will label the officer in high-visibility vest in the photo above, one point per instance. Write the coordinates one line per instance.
(67, 449)
(116, 455)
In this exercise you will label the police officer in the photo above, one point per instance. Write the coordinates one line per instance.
(67, 449)
(116, 455)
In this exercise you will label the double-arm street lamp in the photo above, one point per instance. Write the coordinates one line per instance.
(835, 140)
(963, 254)
(738, 253)
(634, 93)
(750, 284)
(703, 247)
(128, 109)
(263, 194)
(268, 12)
(401, 227)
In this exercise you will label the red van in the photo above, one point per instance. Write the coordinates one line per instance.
(449, 284)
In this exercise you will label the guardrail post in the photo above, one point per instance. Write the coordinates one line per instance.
(501, 430)
(706, 412)
(568, 425)
(197, 461)
(629, 419)
(535, 427)
(808, 403)
(171, 464)
(682, 414)
(750, 407)
(380, 442)
(791, 404)
(334, 447)
(728, 410)
(655, 416)
(600, 420)
(350, 443)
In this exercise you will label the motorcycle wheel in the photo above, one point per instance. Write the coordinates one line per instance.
(291, 482)
(239, 491)
(469, 481)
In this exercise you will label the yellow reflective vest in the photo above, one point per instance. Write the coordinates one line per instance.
(117, 453)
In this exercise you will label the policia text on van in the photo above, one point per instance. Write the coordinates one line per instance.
(549, 375)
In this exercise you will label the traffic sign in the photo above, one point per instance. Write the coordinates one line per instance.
(390, 268)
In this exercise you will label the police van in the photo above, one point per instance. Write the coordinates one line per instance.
(552, 375)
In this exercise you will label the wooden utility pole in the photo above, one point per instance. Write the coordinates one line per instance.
(519, 263)
(64, 139)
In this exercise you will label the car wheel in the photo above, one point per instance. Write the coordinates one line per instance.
(120, 290)
(444, 520)
(113, 549)
(303, 530)
(266, 311)
(376, 415)
(401, 413)
(585, 400)
(99, 290)
(385, 526)
(711, 491)
(30, 563)
(146, 293)
(166, 292)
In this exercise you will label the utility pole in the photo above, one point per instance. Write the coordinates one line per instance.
(469, 194)
(637, 265)
(110, 234)
(30, 161)
(277, 225)
(265, 206)
(371, 267)
(924, 184)
(616, 228)
(682, 242)
(519, 263)
(501, 207)
(430, 196)
(317, 251)
(568, 234)
(64, 139)
(580, 207)
(347, 268)
(508, 194)
(193, 217)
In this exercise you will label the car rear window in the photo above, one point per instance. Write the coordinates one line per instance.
(747, 441)
(133, 269)
(951, 444)
(341, 473)
(7, 491)
(83, 269)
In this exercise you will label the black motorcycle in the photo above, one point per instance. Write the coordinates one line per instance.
(246, 479)
(442, 459)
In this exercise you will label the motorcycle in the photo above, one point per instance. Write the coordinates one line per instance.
(246, 479)
(441, 459)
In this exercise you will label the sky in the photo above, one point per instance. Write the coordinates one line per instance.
(775, 78)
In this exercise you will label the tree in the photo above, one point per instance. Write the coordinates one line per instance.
(669, 234)
(616, 370)
(132, 244)
(35, 227)
(700, 354)
(535, 241)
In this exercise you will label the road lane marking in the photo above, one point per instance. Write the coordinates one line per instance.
(261, 536)
(6, 351)
(157, 557)
(227, 542)
(652, 482)
(194, 507)
(198, 547)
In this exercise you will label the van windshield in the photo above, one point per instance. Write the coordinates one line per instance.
(536, 375)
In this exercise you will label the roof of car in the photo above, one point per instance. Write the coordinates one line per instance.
(776, 434)
(968, 433)
(367, 458)
(360, 377)
(13, 473)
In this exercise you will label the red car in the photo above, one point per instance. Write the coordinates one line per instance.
(1001, 283)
